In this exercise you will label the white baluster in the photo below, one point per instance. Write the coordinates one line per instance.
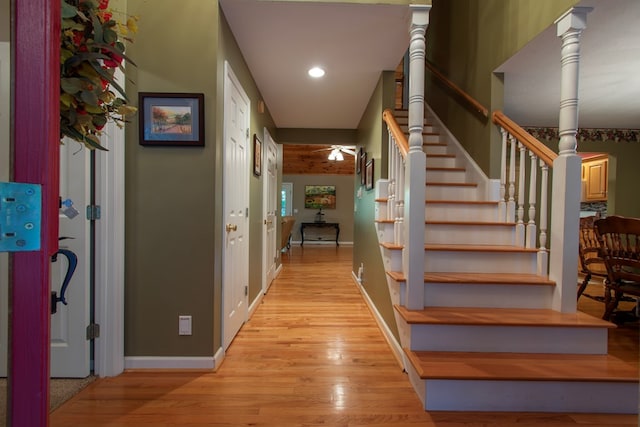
(521, 180)
(530, 240)
(502, 205)
(511, 203)
(392, 177)
(543, 253)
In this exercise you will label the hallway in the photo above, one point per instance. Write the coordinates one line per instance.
(311, 355)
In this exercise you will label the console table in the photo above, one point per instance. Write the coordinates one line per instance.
(333, 225)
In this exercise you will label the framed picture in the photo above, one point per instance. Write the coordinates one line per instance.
(363, 164)
(368, 172)
(171, 119)
(359, 160)
(320, 196)
(257, 155)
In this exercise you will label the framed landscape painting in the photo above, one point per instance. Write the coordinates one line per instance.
(320, 196)
(171, 119)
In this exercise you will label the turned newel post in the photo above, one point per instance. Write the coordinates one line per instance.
(565, 210)
(415, 172)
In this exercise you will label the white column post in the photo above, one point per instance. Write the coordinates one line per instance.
(415, 173)
(565, 208)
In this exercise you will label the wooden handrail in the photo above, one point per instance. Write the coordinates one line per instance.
(398, 134)
(468, 98)
(538, 148)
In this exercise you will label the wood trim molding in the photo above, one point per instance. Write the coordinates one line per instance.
(398, 135)
(457, 90)
(538, 148)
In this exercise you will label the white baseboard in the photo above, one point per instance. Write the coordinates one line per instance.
(395, 346)
(255, 304)
(160, 362)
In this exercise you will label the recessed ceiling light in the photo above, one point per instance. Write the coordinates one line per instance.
(316, 72)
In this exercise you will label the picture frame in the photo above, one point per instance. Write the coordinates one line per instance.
(319, 196)
(359, 161)
(171, 119)
(257, 155)
(363, 164)
(368, 172)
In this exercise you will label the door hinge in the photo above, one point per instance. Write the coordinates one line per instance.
(247, 132)
(93, 331)
(246, 291)
(93, 212)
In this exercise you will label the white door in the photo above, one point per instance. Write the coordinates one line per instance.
(69, 344)
(270, 203)
(235, 276)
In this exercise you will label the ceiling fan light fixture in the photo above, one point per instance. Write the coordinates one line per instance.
(316, 72)
(336, 154)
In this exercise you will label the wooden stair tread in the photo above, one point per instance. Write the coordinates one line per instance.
(521, 366)
(472, 223)
(446, 156)
(449, 202)
(500, 317)
(477, 248)
(445, 169)
(453, 184)
(462, 202)
(465, 248)
(479, 278)
(468, 223)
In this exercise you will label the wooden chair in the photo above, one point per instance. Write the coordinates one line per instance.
(620, 241)
(285, 236)
(591, 263)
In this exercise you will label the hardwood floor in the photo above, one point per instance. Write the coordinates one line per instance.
(311, 355)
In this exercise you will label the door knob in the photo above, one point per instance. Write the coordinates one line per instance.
(231, 227)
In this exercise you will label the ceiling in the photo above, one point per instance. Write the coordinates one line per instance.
(281, 40)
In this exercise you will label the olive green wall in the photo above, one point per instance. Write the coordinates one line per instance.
(173, 194)
(5, 21)
(467, 40)
(342, 214)
(373, 137)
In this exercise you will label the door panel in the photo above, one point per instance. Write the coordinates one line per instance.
(271, 214)
(69, 346)
(236, 207)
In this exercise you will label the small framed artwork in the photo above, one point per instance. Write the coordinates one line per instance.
(257, 155)
(319, 196)
(363, 164)
(368, 172)
(171, 119)
(359, 161)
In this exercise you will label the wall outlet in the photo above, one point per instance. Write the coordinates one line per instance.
(184, 325)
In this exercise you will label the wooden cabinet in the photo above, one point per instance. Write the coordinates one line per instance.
(594, 179)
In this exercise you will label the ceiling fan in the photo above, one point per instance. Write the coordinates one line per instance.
(337, 150)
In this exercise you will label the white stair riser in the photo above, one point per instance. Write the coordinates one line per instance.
(506, 339)
(469, 234)
(452, 176)
(426, 127)
(480, 262)
(385, 232)
(531, 396)
(487, 296)
(392, 259)
(441, 162)
(460, 212)
(431, 137)
(435, 149)
(444, 192)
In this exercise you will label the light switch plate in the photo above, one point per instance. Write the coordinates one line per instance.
(184, 325)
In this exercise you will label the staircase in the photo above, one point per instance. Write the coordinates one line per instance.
(487, 338)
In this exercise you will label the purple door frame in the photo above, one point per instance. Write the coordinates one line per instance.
(35, 41)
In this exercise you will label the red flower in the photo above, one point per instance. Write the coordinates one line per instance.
(103, 4)
(77, 37)
(114, 62)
